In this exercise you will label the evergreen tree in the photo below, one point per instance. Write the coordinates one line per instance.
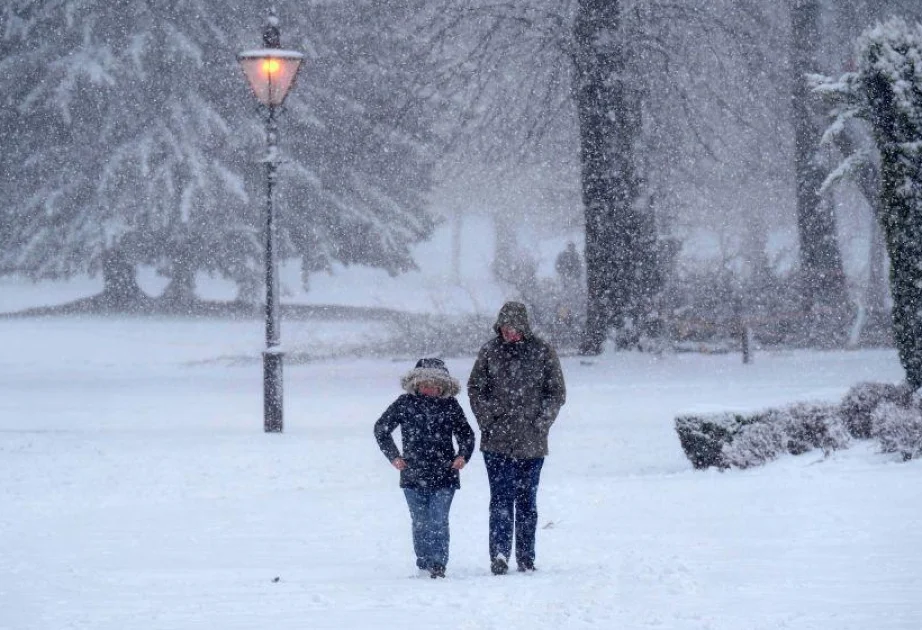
(886, 91)
(131, 139)
(359, 138)
(134, 143)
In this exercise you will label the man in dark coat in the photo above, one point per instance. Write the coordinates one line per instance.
(568, 265)
(429, 416)
(516, 389)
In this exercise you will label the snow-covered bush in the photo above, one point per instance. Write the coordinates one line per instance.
(796, 430)
(815, 426)
(898, 429)
(440, 336)
(703, 437)
(756, 443)
(886, 412)
(863, 399)
(733, 440)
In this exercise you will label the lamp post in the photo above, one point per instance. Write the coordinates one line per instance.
(271, 72)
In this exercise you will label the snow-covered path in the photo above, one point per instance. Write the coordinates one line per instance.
(137, 490)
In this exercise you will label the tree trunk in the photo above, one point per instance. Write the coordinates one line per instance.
(457, 225)
(512, 265)
(181, 289)
(876, 325)
(607, 110)
(823, 288)
(877, 271)
(249, 289)
(901, 206)
(504, 248)
(120, 286)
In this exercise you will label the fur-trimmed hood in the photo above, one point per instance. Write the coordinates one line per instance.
(431, 371)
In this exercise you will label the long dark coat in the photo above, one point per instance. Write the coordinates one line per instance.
(516, 389)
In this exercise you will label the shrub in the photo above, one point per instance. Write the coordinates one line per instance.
(898, 429)
(703, 438)
(888, 413)
(858, 406)
(733, 440)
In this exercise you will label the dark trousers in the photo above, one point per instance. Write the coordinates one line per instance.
(429, 515)
(513, 505)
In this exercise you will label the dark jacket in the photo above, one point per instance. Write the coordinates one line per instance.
(516, 389)
(427, 425)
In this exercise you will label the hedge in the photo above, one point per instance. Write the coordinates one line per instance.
(890, 414)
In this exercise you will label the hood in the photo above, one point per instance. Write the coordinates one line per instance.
(425, 372)
(513, 314)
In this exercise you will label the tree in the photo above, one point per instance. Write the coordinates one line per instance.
(608, 108)
(861, 163)
(639, 88)
(128, 129)
(886, 91)
(825, 298)
(129, 149)
(360, 139)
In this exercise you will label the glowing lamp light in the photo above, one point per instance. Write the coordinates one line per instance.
(271, 66)
(270, 72)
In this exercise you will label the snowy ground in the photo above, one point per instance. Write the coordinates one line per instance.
(137, 490)
(436, 288)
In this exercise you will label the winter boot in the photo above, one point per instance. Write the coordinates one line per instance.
(499, 566)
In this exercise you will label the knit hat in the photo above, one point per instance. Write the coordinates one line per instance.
(430, 370)
(432, 364)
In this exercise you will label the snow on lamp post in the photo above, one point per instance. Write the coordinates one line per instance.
(271, 72)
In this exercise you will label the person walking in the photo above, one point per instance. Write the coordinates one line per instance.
(569, 297)
(516, 389)
(569, 266)
(429, 416)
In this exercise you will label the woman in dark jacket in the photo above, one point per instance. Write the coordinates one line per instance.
(429, 416)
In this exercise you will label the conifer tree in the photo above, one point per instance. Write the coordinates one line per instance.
(886, 91)
(359, 140)
(134, 140)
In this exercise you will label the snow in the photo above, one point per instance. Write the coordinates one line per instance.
(137, 490)
(432, 289)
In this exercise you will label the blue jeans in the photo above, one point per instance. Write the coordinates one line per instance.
(429, 515)
(513, 504)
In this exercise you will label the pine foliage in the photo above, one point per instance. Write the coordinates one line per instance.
(886, 91)
(359, 138)
(127, 139)
(130, 129)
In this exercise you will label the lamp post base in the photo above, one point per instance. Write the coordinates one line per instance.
(272, 391)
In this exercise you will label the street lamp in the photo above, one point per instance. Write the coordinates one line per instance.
(271, 72)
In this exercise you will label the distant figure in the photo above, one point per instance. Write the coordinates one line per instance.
(569, 265)
(516, 389)
(570, 296)
(428, 415)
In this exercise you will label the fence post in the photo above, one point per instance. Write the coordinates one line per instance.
(744, 331)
